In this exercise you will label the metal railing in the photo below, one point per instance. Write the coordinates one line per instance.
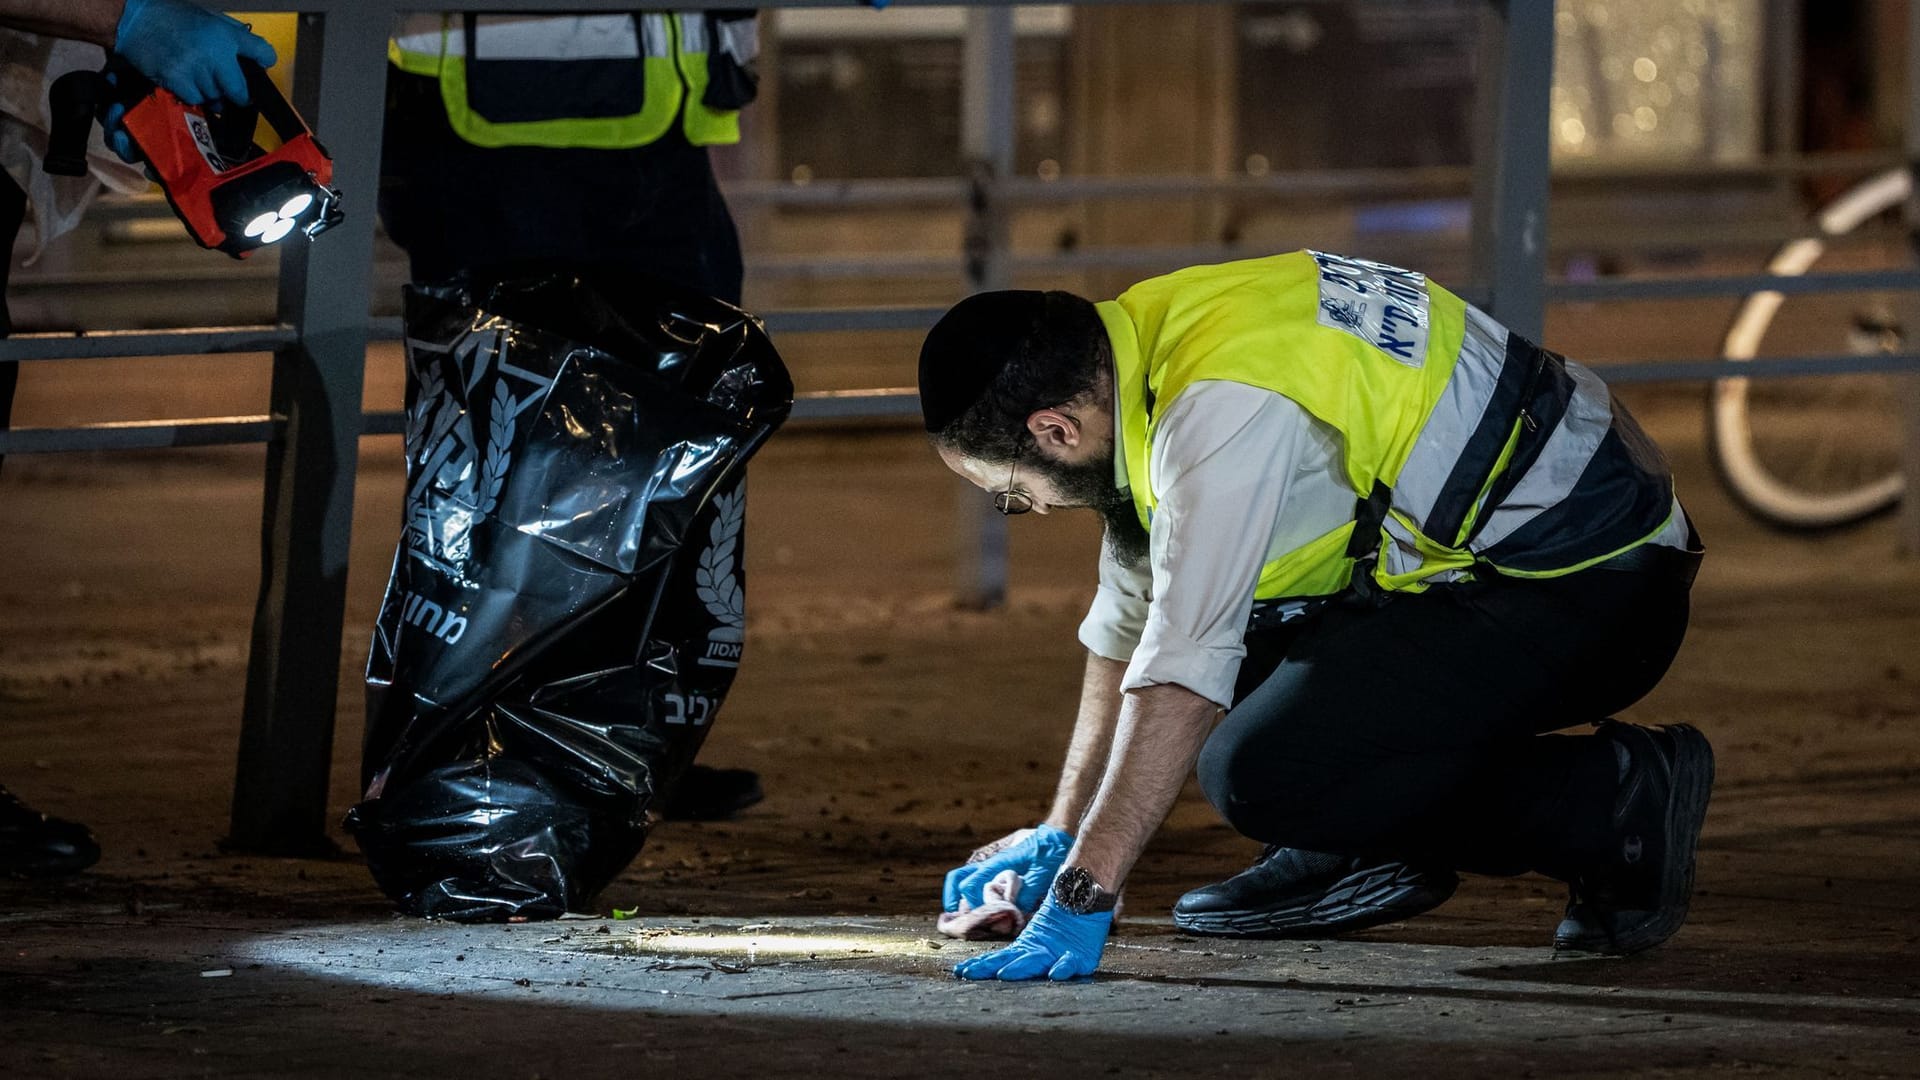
(319, 345)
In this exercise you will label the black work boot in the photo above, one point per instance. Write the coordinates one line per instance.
(1289, 893)
(709, 794)
(1640, 898)
(35, 845)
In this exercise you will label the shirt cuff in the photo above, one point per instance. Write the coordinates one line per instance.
(1165, 656)
(1113, 624)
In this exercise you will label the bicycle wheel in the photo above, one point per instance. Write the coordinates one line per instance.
(1820, 452)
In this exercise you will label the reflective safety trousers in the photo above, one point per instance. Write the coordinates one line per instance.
(604, 82)
(1471, 451)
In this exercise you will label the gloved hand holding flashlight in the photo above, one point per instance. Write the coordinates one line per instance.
(185, 49)
(193, 52)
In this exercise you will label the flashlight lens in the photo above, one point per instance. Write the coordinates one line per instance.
(259, 226)
(296, 206)
(277, 231)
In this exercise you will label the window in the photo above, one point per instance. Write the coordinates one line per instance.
(875, 94)
(1336, 84)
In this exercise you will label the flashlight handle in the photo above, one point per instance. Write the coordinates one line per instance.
(71, 103)
(273, 105)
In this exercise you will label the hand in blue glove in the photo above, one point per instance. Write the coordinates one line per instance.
(189, 50)
(1057, 944)
(1036, 858)
(116, 135)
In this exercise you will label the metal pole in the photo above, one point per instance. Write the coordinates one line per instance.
(987, 133)
(1907, 527)
(1512, 161)
(286, 736)
(1784, 90)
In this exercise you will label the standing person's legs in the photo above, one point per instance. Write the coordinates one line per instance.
(31, 843)
(679, 227)
(458, 209)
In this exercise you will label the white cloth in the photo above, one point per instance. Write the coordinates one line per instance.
(1241, 475)
(28, 65)
(998, 916)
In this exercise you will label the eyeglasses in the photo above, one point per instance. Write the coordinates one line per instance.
(1011, 502)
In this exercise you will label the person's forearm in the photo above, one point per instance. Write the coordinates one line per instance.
(80, 20)
(1160, 733)
(1092, 738)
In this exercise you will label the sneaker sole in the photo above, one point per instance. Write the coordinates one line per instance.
(1686, 813)
(49, 867)
(1362, 899)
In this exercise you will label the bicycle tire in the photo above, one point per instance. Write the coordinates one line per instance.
(1730, 440)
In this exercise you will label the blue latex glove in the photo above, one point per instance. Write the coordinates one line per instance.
(1057, 944)
(116, 135)
(1037, 859)
(189, 50)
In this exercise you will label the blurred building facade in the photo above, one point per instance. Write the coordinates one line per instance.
(1215, 90)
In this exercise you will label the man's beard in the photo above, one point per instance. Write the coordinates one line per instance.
(1091, 485)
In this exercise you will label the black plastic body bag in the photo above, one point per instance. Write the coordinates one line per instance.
(567, 603)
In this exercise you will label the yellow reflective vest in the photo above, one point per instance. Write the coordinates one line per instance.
(605, 82)
(1470, 450)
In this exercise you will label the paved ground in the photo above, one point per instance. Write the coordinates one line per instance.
(178, 994)
(895, 734)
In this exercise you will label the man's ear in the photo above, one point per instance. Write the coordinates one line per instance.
(1054, 429)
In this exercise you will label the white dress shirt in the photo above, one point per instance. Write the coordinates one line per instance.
(1241, 475)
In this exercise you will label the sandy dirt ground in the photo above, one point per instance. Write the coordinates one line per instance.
(894, 734)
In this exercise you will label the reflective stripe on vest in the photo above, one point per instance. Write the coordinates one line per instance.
(1500, 457)
(586, 81)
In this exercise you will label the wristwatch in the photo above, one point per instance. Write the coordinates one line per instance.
(1076, 891)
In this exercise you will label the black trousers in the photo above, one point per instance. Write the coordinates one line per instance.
(13, 211)
(457, 208)
(1416, 730)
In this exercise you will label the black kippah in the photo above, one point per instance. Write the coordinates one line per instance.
(970, 346)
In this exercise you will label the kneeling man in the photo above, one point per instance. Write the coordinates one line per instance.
(1394, 542)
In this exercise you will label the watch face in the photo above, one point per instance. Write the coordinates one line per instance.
(1074, 889)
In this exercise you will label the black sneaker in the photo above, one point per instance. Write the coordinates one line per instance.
(35, 845)
(708, 794)
(1641, 899)
(1290, 893)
